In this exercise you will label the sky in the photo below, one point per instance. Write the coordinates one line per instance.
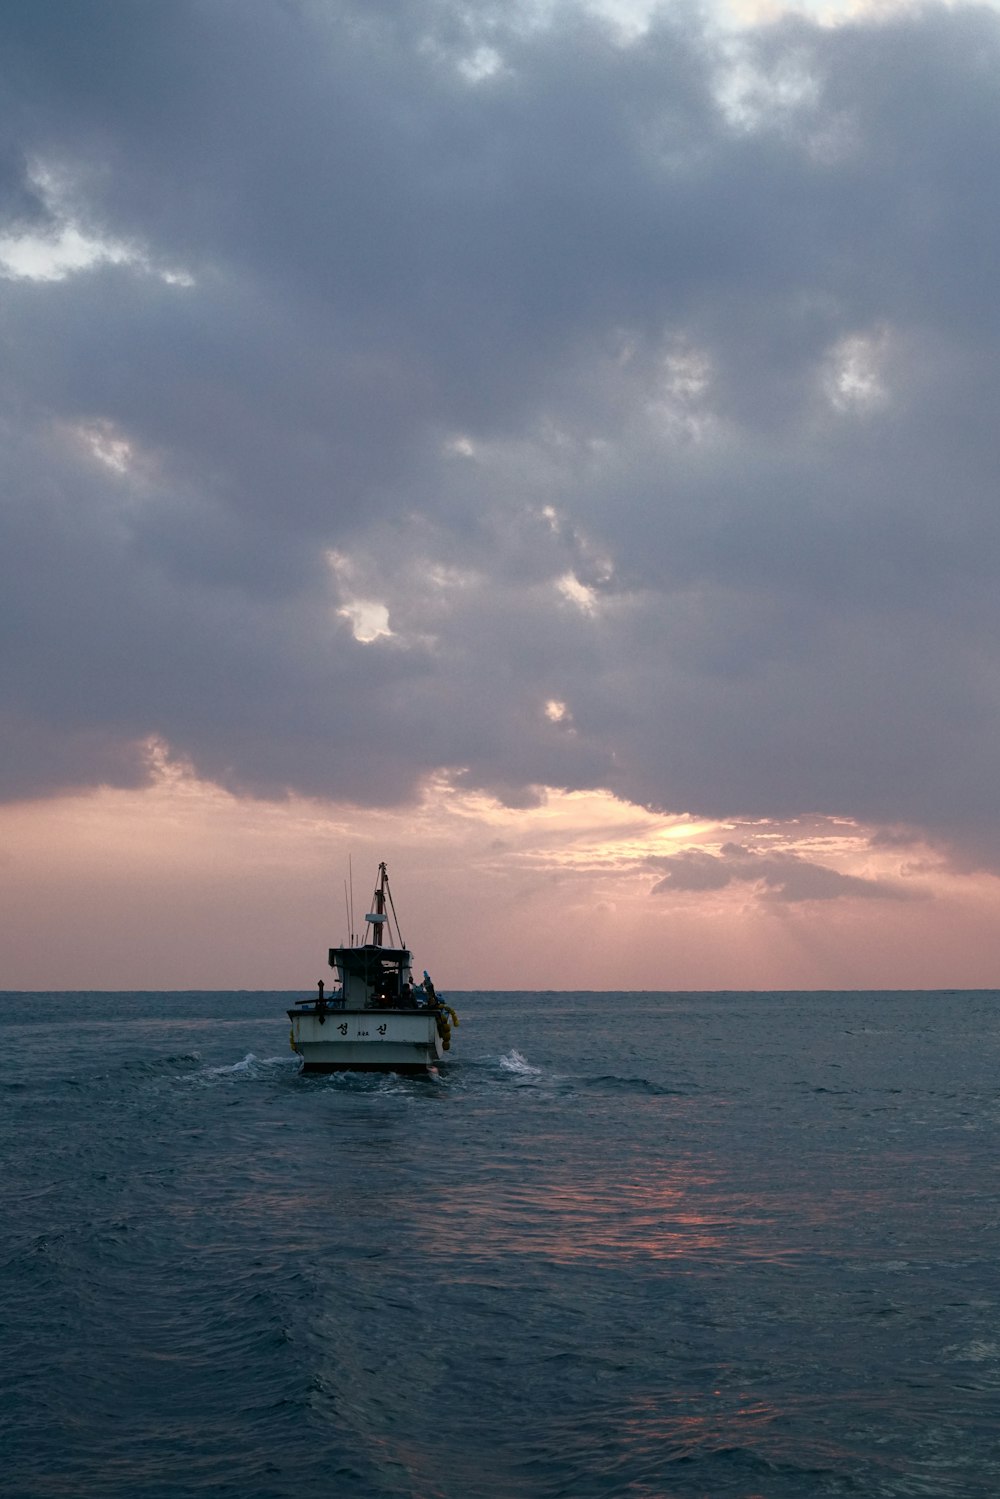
(552, 448)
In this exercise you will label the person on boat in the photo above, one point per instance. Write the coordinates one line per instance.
(407, 998)
(428, 988)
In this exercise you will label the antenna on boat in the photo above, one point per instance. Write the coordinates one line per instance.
(347, 909)
(350, 871)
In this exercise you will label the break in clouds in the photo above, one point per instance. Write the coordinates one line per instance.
(390, 389)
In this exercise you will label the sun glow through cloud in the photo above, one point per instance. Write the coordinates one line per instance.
(109, 448)
(368, 620)
(555, 894)
(65, 248)
(56, 256)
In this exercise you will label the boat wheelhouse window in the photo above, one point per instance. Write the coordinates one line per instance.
(359, 959)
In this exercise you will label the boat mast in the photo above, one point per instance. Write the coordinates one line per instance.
(380, 905)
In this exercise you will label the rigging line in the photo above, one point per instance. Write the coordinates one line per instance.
(399, 934)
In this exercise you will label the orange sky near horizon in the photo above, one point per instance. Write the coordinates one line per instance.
(182, 885)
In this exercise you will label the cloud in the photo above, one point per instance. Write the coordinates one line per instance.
(779, 875)
(894, 838)
(651, 375)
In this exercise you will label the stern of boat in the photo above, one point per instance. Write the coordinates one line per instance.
(368, 1040)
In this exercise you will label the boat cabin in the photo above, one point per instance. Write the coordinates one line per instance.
(373, 976)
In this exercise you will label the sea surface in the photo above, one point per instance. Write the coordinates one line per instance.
(623, 1244)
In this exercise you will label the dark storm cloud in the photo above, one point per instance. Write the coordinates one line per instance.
(651, 388)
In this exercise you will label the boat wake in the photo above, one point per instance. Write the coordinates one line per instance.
(420, 1085)
(518, 1069)
(514, 1062)
(251, 1066)
(610, 1083)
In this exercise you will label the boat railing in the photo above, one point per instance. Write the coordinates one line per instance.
(335, 1002)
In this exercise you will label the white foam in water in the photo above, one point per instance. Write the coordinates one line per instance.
(372, 1082)
(251, 1064)
(514, 1062)
(243, 1066)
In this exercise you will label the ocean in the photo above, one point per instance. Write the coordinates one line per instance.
(649, 1245)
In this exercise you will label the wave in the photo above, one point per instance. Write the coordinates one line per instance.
(251, 1066)
(368, 1082)
(125, 1073)
(610, 1083)
(514, 1062)
(182, 1061)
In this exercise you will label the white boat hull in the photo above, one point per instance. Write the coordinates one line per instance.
(367, 1040)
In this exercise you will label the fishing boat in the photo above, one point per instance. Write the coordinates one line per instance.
(376, 1019)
